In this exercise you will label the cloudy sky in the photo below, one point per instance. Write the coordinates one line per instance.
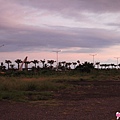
(80, 28)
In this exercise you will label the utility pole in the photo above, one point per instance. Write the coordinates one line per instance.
(57, 51)
(117, 60)
(93, 55)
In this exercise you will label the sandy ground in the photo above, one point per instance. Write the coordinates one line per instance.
(86, 101)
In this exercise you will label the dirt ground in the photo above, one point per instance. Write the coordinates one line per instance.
(84, 101)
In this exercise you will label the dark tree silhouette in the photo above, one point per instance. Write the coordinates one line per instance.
(12, 66)
(51, 62)
(104, 66)
(68, 64)
(112, 65)
(119, 65)
(2, 67)
(74, 63)
(18, 61)
(101, 65)
(8, 62)
(63, 63)
(78, 62)
(43, 62)
(26, 64)
(98, 64)
(85, 67)
(35, 62)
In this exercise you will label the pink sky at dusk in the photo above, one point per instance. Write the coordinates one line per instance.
(35, 28)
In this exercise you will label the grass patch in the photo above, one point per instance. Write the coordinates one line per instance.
(28, 90)
(12, 95)
(36, 96)
(42, 87)
(25, 95)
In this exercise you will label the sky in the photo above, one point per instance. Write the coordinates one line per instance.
(79, 28)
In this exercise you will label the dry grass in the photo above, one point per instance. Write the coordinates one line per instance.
(20, 86)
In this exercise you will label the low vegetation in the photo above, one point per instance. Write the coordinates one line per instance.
(28, 86)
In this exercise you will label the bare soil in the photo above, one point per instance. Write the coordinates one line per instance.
(98, 100)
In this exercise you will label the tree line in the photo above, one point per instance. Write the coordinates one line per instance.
(52, 65)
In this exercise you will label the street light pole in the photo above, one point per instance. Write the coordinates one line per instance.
(117, 60)
(57, 51)
(93, 55)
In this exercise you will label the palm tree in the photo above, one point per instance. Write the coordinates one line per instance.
(26, 64)
(98, 64)
(74, 63)
(68, 65)
(12, 66)
(35, 62)
(43, 62)
(119, 65)
(8, 62)
(108, 65)
(18, 61)
(101, 65)
(63, 62)
(112, 65)
(51, 62)
(2, 67)
(78, 62)
(59, 65)
(115, 66)
(104, 65)
(2, 64)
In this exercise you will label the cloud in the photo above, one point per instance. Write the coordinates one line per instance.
(76, 5)
(31, 38)
(28, 25)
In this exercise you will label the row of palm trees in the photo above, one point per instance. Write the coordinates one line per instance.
(106, 66)
(45, 64)
(50, 64)
(19, 61)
